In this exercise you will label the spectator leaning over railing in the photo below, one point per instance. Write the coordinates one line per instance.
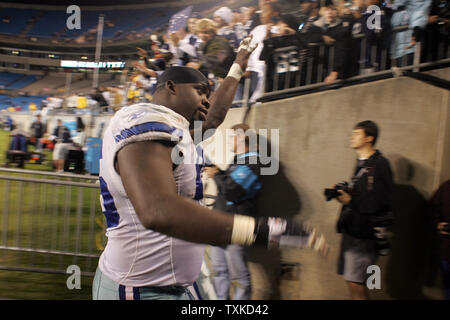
(239, 23)
(271, 26)
(154, 60)
(331, 30)
(254, 14)
(191, 25)
(352, 12)
(437, 32)
(215, 53)
(309, 12)
(374, 33)
(182, 46)
(414, 14)
(222, 17)
(287, 64)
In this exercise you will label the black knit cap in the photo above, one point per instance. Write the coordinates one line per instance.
(181, 75)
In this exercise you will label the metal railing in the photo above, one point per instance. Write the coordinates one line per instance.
(50, 224)
(51, 174)
(305, 69)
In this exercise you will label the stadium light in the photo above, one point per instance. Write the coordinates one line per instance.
(93, 65)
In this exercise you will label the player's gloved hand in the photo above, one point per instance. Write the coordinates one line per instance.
(246, 47)
(289, 233)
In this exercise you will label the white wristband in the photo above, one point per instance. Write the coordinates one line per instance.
(236, 72)
(243, 230)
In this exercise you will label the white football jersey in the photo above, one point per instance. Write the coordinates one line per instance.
(136, 256)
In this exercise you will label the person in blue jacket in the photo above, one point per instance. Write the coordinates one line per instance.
(414, 14)
(238, 190)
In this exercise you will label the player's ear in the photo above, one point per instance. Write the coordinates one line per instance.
(170, 86)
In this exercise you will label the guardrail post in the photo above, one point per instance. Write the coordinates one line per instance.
(5, 214)
(417, 52)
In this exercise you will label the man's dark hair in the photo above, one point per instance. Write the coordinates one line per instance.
(370, 129)
(181, 75)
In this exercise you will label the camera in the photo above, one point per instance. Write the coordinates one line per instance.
(333, 193)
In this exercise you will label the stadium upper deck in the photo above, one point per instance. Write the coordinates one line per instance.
(45, 22)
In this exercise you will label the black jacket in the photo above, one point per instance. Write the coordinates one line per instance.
(370, 200)
(239, 186)
(339, 31)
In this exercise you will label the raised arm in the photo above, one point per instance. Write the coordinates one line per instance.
(222, 98)
(146, 172)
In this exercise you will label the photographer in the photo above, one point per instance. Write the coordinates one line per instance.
(364, 216)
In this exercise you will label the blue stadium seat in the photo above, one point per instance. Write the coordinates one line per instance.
(49, 23)
(15, 80)
(6, 78)
(23, 102)
(23, 82)
(19, 18)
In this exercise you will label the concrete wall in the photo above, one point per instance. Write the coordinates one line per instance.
(414, 121)
(443, 73)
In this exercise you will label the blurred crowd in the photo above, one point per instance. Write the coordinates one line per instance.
(328, 40)
(366, 36)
